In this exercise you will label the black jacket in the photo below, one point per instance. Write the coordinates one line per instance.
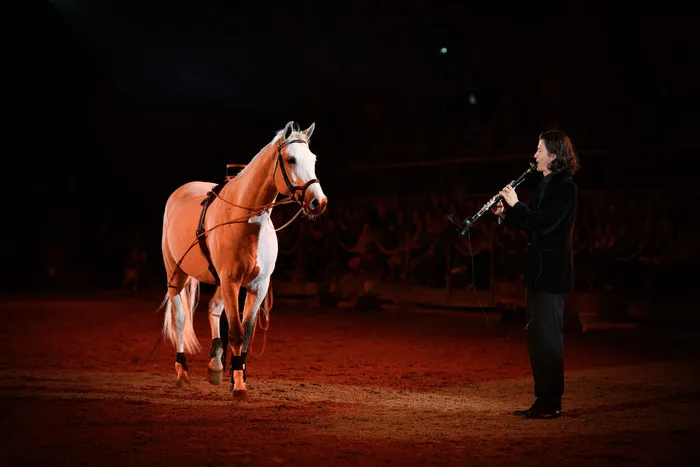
(550, 223)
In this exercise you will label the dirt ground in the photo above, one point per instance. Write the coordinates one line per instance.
(336, 387)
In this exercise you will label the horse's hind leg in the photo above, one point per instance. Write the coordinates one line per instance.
(217, 351)
(181, 368)
(174, 326)
(178, 326)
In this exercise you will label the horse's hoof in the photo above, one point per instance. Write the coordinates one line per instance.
(215, 377)
(216, 364)
(240, 394)
(183, 379)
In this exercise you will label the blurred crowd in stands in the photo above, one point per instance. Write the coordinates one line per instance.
(631, 242)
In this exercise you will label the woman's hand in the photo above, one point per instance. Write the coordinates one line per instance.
(498, 209)
(509, 195)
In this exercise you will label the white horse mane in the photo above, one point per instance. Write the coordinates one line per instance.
(277, 135)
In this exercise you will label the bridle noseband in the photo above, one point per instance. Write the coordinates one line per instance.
(299, 198)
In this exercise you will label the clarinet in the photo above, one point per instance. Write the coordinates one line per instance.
(469, 223)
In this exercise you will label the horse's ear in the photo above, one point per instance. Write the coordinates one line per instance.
(288, 129)
(309, 130)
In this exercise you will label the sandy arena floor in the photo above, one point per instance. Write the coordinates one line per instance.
(336, 387)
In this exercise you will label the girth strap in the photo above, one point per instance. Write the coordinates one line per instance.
(200, 231)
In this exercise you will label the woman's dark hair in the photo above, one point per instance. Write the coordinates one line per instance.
(558, 143)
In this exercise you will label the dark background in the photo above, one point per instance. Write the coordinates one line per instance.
(115, 104)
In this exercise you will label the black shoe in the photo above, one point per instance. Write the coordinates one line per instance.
(541, 409)
(543, 413)
(526, 412)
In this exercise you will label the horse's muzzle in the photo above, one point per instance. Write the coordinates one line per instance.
(318, 206)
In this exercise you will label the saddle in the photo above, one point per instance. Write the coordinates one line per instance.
(201, 230)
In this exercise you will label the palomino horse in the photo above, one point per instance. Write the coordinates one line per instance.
(237, 247)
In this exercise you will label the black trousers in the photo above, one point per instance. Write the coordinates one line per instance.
(545, 345)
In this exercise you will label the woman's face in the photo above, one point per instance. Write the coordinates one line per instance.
(543, 158)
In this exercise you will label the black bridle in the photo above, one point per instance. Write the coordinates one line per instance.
(299, 198)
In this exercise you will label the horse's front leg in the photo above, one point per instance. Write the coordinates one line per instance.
(230, 293)
(254, 299)
(217, 350)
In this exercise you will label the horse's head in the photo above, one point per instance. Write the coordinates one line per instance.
(295, 170)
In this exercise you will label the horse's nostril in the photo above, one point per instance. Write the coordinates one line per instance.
(314, 204)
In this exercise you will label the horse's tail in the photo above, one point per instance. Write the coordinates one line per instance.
(190, 298)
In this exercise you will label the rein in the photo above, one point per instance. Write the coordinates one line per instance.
(293, 196)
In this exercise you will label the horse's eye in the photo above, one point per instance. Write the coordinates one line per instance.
(291, 160)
